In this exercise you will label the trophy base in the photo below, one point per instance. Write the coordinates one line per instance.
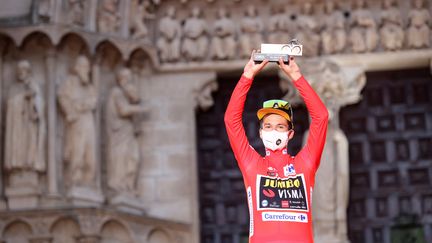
(272, 57)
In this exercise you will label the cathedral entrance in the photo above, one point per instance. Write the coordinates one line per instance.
(390, 141)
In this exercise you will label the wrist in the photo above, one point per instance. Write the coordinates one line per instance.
(248, 75)
(295, 76)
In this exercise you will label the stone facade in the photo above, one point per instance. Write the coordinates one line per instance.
(61, 62)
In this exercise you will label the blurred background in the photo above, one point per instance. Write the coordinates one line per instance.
(112, 117)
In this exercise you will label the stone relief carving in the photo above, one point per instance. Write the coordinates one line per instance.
(391, 32)
(223, 45)
(75, 12)
(124, 153)
(77, 97)
(251, 28)
(108, 17)
(25, 123)
(308, 27)
(277, 25)
(139, 13)
(418, 33)
(204, 96)
(363, 36)
(195, 42)
(168, 43)
(333, 35)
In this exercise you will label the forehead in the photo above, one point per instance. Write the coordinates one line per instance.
(275, 119)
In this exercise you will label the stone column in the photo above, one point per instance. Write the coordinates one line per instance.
(125, 12)
(168, 177)
(50, 62)
(337, 87)
(91, 16)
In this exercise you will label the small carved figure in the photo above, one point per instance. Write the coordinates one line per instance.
(418, 34)
(78, 98)
(76, 12)
(363, 36)
(392, 34)
(333, 35)
(25, 123)
(308, 28)
(223, 44)
(195, 42)
(108, 18)
(251, 29)
(139, 14)
(168, 43)
(277, 26)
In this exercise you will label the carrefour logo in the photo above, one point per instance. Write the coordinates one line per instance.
(288, 217)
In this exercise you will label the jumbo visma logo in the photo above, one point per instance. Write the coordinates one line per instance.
(282, 193)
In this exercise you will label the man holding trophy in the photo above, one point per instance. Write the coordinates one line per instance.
(278, 186)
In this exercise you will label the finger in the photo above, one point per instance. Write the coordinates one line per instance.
(252, 55)
(281, 63)
(261, 65)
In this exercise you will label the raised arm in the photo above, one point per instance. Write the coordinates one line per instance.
(317, 111)
(243, 152)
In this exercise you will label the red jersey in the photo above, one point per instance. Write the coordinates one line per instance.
(280, 204)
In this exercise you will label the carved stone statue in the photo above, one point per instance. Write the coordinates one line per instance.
(391, 32)
(123, 147)
(139, 13)
(308, 28)
(78, 98)
(250, 28)
(363, 36)
(195, 42)
(25, 124)
(223, 45)
(277, 26)
(418, 34)
(333, 35)
(108, 17)
(75, 12)
(168, 43)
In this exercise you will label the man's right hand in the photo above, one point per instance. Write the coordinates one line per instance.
(251, 69)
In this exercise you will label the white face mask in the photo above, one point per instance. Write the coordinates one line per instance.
(274, 140)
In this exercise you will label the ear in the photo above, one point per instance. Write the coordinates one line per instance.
(290, 134)
(260, 133)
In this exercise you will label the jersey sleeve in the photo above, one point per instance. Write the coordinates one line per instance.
(318, 126)
(243, 152)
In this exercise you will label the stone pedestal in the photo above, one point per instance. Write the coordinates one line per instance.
(85, 197)
(127, 203)
(23, 191)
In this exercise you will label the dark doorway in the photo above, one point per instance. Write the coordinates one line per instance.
(390, 138)
(223, 207)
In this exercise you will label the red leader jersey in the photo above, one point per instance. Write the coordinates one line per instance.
(279, 205)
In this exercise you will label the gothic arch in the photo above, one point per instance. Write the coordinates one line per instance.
(75, 44)
(39, 37)
(149, 51)
(65, 230)
(158, 235)
(17, 231)
(107, 53)
(113, 231)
